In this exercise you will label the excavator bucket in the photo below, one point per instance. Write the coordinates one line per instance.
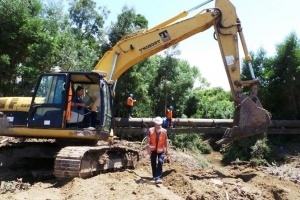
(250, 118)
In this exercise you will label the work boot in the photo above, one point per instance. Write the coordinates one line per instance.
(159, 181)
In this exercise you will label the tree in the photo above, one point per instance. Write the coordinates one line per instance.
(138, 80)
(282, 75)
(131, 81)
(173, 81)
(128, 22)
(87, 22)
(20, 24)
(210, 103)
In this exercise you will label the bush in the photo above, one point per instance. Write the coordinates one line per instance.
(190, 141)
(246, 149)
(260, 149)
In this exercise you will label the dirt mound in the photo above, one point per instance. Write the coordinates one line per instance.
(185, 177)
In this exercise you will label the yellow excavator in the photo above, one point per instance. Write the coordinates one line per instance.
(49, 114)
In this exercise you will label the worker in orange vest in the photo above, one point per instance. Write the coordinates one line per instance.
(129, 105)
(157, 148)
(169, 116)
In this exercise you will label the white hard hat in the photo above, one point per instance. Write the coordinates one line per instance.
(158, 120)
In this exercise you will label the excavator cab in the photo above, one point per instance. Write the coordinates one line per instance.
(51, 105)
(48, 102)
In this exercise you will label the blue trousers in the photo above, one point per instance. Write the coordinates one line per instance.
(157, 161)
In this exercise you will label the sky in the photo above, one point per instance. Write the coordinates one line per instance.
(265, 23)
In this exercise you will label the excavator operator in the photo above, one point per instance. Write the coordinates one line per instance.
(78, 106)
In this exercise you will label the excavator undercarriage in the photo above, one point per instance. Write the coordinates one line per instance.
(45, 159)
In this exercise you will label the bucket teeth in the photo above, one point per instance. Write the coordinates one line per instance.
(235, 133)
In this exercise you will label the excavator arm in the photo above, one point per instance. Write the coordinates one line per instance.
(249, 117)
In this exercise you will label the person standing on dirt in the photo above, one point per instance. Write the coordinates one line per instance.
(129, 105)
(157, 148)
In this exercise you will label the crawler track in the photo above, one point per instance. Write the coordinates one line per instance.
(85, 161)
(37, 160)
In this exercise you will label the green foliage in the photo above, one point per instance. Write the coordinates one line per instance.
(88, 22)
(4, 59)
(190, 141)
(174, 81)
(128, 22)
(88, 33)
(38, 36)
(246, 149)
(210, 103)
(20, 22)
(137, 81)
(260, 149)
(280, 78)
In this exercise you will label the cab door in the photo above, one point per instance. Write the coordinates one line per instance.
(48, 102)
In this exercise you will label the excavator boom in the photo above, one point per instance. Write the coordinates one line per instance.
(249, 118)
(136, 47)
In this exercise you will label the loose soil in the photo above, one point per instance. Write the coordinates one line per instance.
(186, 176)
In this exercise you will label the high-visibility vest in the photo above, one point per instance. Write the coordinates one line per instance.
(169, 114)
(157, 145)
(129, 101)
